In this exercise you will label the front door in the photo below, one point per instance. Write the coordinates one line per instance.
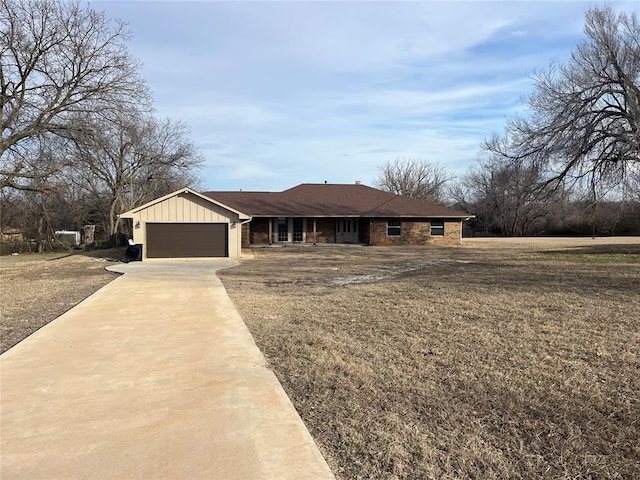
(347, 230)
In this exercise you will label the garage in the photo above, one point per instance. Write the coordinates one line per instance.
(186, 224)
(177, 240)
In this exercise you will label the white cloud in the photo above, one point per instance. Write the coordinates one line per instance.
(277, 93)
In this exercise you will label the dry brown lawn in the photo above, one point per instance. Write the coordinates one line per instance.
(37, 288)
(503, 358)
(498, 359)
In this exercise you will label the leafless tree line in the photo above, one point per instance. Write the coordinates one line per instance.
(80, 142)
(574, 160)
(515, 199)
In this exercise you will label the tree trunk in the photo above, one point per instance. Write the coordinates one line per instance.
(40, 234)
(89, 232)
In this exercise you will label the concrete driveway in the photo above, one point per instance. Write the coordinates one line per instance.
(155, 376)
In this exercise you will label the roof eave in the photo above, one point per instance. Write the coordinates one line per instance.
(340, 215)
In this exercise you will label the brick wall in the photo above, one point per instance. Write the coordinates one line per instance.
(452, 234)
(259, 231)
(415, 232)
(325, 230)
(372, 232)
(364, 228)
(245, 235)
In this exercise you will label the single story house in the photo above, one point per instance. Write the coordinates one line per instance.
(339, 213)
(218, 224)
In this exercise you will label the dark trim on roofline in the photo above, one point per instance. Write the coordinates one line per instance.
(467, 217)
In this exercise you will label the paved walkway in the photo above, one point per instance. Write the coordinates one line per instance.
(155, 376)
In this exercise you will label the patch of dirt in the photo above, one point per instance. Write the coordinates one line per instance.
(37, 288)
(491, 360)
(387, 272)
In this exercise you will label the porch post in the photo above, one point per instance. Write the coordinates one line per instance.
(270, 230)
(314, 230)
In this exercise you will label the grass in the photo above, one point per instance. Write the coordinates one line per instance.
(599, 253)
(577, 257)
(38, 287)
(475, 362)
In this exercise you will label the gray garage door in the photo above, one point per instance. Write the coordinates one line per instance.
(175, 240)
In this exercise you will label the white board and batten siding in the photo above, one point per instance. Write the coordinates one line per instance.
(186, 209)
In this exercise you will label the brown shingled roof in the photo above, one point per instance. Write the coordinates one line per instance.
(331, 200)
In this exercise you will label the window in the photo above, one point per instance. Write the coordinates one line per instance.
(394, 226)
(437, 228)
(298, 230)
(283, 231)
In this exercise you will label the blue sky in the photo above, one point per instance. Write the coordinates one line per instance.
(280, 93)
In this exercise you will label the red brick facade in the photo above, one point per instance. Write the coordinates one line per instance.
(257, 232)
(325, 230)
(415, 232)
(372, 231)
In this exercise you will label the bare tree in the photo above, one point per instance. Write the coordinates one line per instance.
(585, 118)
(57, 59)
(414, 178)
(632, 185)
(504, 197)
(131, 159)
